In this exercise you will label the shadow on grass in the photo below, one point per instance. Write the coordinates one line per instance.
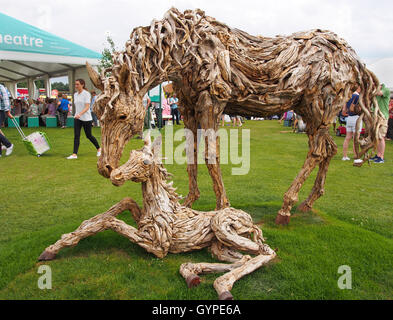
(265, 215)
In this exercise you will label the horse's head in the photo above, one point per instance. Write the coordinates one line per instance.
(120, 111)
(140, 165)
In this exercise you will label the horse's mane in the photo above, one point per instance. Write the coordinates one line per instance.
(236, 66)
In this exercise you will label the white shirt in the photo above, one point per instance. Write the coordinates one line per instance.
(80, 100)
(145, 100)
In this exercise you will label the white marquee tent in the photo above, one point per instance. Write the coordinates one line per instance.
(28, 53)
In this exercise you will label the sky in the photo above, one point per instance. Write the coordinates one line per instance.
(364, 24)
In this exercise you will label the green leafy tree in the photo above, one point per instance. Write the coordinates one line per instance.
(22, 84)
(60, 86)
(106, 60)
(39, 84)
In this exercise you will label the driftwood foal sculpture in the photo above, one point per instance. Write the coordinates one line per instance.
(166, 226)
(217, 69)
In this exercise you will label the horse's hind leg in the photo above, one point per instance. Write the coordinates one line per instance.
(291, 196)
(318, 190)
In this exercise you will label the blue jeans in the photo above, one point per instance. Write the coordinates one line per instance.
(175, 113)
(4, 140)
(2, 118)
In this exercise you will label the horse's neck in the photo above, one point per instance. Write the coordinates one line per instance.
(173, 72)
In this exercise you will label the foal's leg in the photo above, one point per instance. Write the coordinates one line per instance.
(191, 271)
(208, 115)
(90, 227)
(233, 229)
(224, 284)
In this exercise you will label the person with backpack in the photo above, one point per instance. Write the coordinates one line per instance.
(5, 109)
(351, 110)
(63, 107)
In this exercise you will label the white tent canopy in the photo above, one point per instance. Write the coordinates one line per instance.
(383, 69)
(28, 53)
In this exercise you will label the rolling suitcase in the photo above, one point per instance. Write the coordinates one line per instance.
(36, 143)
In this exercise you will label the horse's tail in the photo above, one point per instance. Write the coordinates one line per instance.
(370, 113)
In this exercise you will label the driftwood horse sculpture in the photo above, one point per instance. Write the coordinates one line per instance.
(217, 69)
(165, 226)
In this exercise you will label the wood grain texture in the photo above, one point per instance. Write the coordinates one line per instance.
(165, 226)
(216, 69)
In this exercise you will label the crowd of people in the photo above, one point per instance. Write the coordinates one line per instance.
(85, 117)
(44, 108)
(41, 108)
(351, 111)
(350, 114)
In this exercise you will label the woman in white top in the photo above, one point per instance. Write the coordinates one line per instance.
(82, 117)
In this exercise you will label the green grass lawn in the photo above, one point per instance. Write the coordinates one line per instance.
(43, 198)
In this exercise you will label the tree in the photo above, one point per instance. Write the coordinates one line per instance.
(60, 86)
(106, 60)
(39, 84)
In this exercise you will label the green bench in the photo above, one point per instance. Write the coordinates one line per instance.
(32, 122)
(11, 123)
(70, 122)
(51, 122)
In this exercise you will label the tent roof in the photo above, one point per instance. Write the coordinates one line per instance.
(383, 69)
(27, 51)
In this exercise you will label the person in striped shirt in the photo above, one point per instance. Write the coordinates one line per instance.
(5, 108)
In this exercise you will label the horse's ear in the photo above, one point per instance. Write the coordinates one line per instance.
(94, 77)
(156, 147)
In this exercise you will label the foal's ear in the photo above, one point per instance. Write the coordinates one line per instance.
(156, 147)
(147, 139)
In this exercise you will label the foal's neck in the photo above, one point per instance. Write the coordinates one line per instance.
(159, 198)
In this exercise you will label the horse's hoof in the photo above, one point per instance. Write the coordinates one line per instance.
(193, 281)
(46, 256)
(304, 207)
(283, 220)
(226, 295)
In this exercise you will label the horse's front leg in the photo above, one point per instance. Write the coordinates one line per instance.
(191, 126)
(91, 227)
(208, 114)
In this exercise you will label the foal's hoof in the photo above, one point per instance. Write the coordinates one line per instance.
(283, 220)
(46, 256)
(193, 281)
(226, 295)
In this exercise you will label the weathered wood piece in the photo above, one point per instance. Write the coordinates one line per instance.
(165, 226)
(216, 69)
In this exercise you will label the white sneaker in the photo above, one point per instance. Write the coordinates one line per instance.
(345, 159)
(358, 161)
(9, 150)
(72, 157)
(98, 153)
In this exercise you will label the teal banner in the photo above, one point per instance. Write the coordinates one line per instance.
(16, 35)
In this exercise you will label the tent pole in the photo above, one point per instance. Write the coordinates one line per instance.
(71, 85)
(47, 85)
